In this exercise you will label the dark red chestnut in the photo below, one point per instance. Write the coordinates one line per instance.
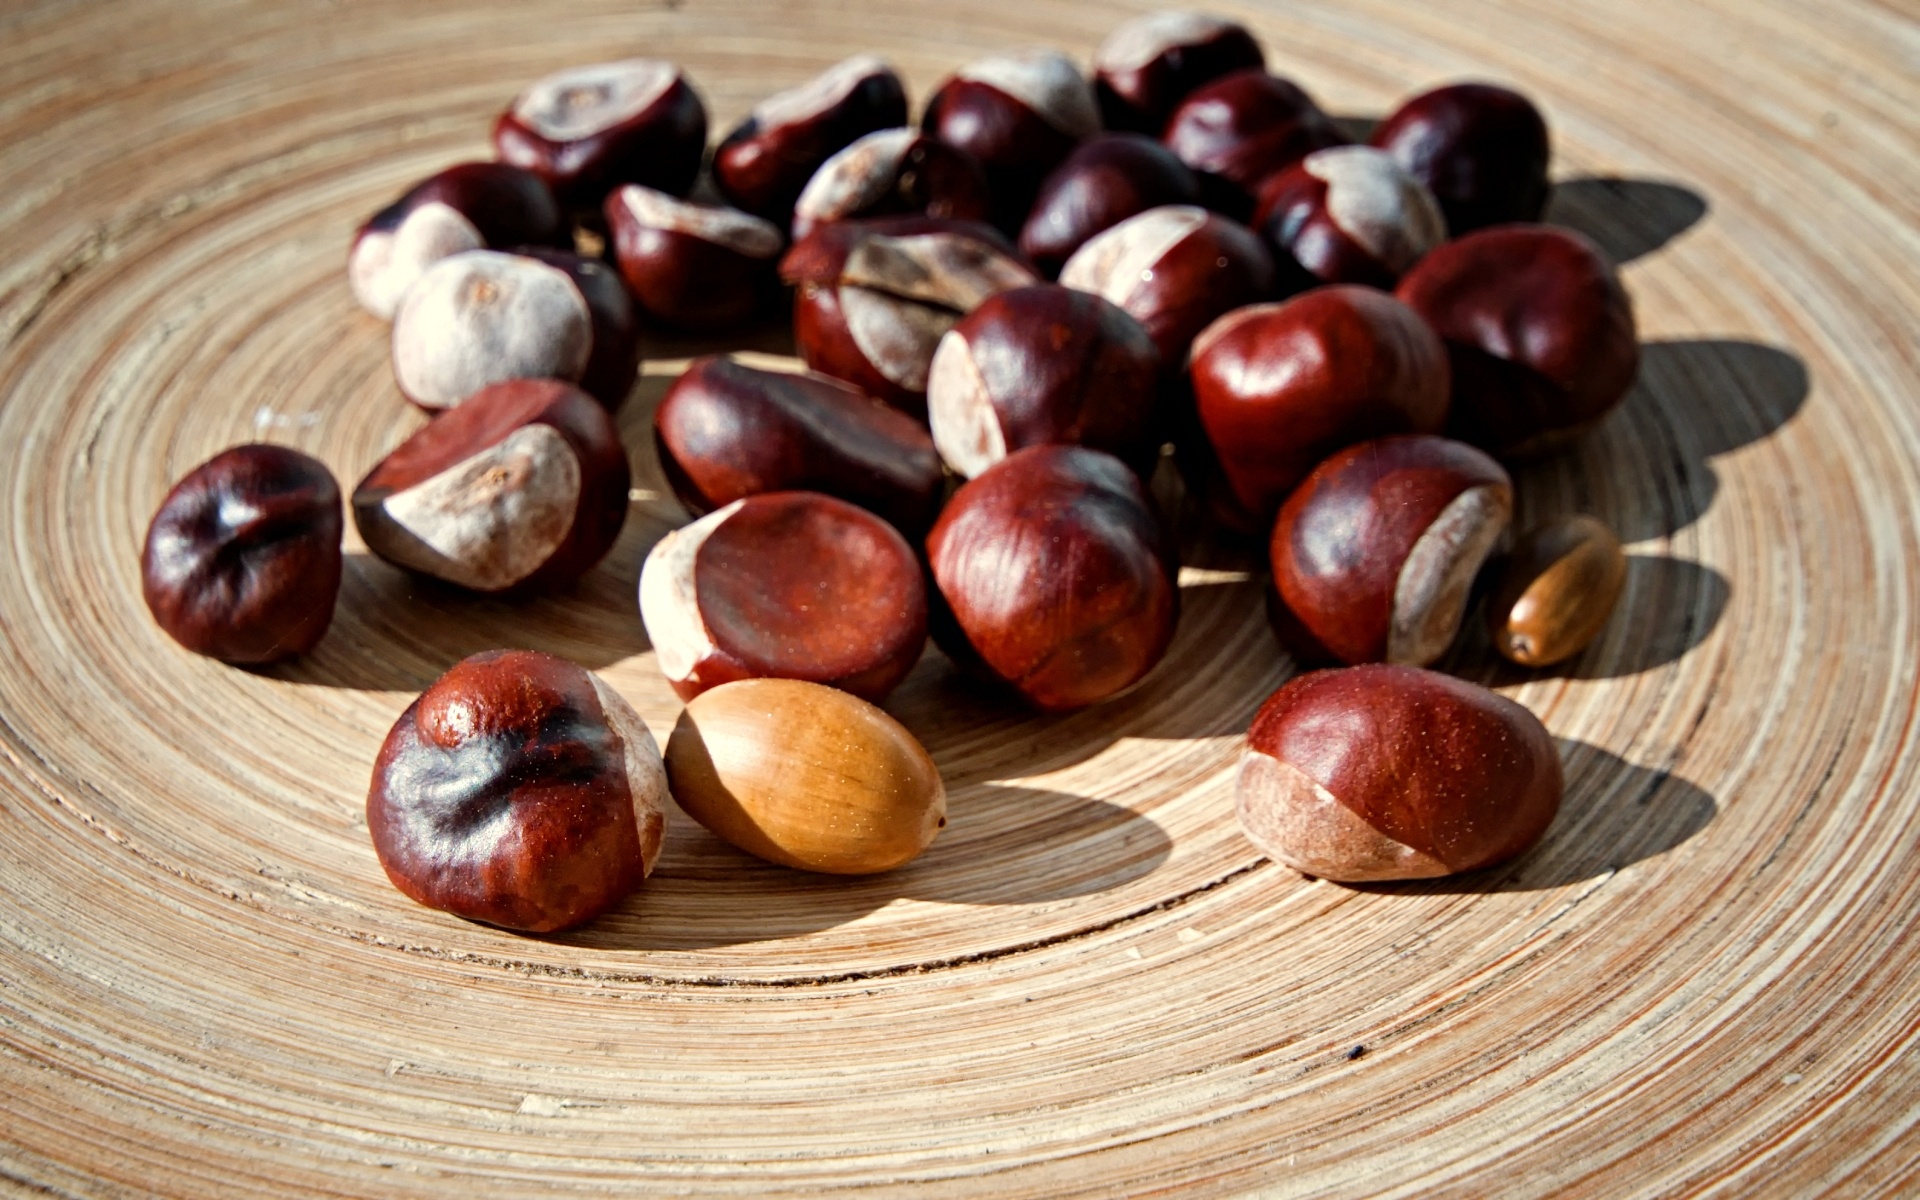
(692, 266)
(1018, 115)
(1279, 387)
(1056, 575)
(762, 165)
(894, 172)
(1174, 270)
(518, 790)
(1107, 178)
(727, 431)
(875, 297)
(785, 585)
(1242, 128)
(1386, 772)
(1347, 215)
(471, 206)
(1147, 66)
(522, 487)
(1040, 365)
(242, 561)
(1375, 553)
(1540, 332)
(1482, 150)
(589, 129)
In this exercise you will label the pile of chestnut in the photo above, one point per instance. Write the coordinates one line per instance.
(1009, 313)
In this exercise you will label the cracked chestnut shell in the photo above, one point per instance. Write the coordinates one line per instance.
(588, 129)
(1147, 66)
(1108, 178)
(893, 173)
(1375, 553)
(1018, 115)
(1483, 151)
(242, 560)
(762, 165)
(1347, 215)
(692, 266)
(1540, 331)
(1379, 772)
(519, 790)
(1241, 129)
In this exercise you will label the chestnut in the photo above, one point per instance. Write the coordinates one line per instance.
(1147, 66)
(1540, 331)
(875, 297)
(1383, 772)
(1107, 178)
(242, 560)
(1018, 115)
(726, 431)
(613, 363)
(1556, 591)
(785, 585)
(806, 777)
(588, 129)
(893, 173)
(1174, 269)
(1375, 552)
(692, 266)
(1241, 129)
(522, 487)
(1056, 576)
(764, 162)
(1279, 387)
(469, 206)
(520, 790)
(1482, 149)
(1347, 215)
(1044, 364)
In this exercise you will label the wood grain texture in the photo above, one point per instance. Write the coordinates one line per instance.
(1704, 982)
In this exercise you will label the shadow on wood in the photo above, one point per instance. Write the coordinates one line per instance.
(1626, 218)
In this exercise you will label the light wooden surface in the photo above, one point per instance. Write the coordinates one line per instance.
(1707, 981)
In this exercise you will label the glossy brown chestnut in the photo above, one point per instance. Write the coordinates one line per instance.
(1042, 365)
(613, 361)
(1381, 772)
(469, 206)
(1556, 591)
(1279, 387)
(785, 585)
(1241, 129)
(242, 560)
(874, 298)
(1174, 269)
(1018, 115)
(1147, 66)
(518, 790)
(589, 129)
(692, 266)
(893, 173)
(727, 431)
(523, 487)
(1375, 553)
(1056, 576)
(1347, 215)
(1540, 331)
(762, 165)
(1107, 178)
(1482, 150)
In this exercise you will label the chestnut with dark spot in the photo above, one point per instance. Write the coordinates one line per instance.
(1482, 150)
(1018, 115)
(1055, 576)
(242, 560)
(1148, 65)
(521, 488)
(1375, 553)
(1106, 179)
(469, 206)
(1279, 387)
(1378, 772)
(1243, 128)
(692, 266)
(1045, 365)
(613, 359)
(785, 585)
(893, 173)
(1347, 215)
(519, 790)
(589, 129)
(762, 165)
(1540, 331)
(726, 431)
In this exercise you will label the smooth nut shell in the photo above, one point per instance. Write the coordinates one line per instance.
(893, 173)
(613, 360)
(1556, 591)
(805, 776)
(1240, 129)
(483, 317)
(1107, 178)
(1347, 215)
(585, 130)
(1483, 150)
(691, 266)
(1147, 65)
(1018, 116)
(766, 160)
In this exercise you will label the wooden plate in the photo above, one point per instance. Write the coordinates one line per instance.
(1706, 980)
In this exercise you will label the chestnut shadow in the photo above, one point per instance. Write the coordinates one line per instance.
(1614, 814)
(1357, 127)
(770, 333)
(1626, 218)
